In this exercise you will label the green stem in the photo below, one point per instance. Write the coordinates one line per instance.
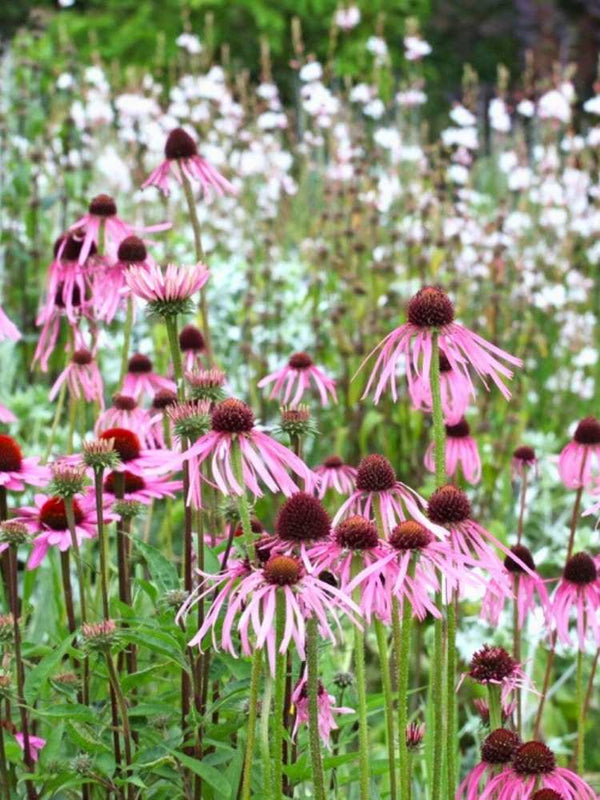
(451, 612)
(580, 716)
(361, 688)
(4, 775)
(312, 687)
(495, 704)
(243, 507)
(121, 702)
(251, 724)
(57, 415)
(402, 637)
(171, 326)
(439, 430)
(517, 650)
(102, 543)
(72, 423)
(265, 745)
(279, 705)
(126, 339)
(68, 501)
(437, 697)
(382, 646)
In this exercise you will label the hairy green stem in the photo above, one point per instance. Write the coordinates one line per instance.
(495, 705)
(70, 514)
(402, 635)
(279, 704)
(517, 650)
(126, 339)
(361, 689)
(102, 542)
(580, 715)
(251, 724)
(386, 683)
(122, 704)
(242, 500)
(451, 612)
(312, 688)
(265, 741)
(171, 326)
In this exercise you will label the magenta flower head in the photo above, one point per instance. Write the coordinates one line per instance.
(83, 378)
(141, 490)
(110, 288)
(51, 314)
(206, 384)
(192, 346)
(36, 743)
(578, 591)
(527, 587)
(326, 711)
(16, 471)
(497, 751)
(432, 310)
(141, 379)
(126, 413)
(336, 476)
(102, 216)
(168, 292)
(493, 665)
(455, 388)
(248, 597)
(533, 766)
(66, 271)
(290, 382)
(137, 460)
(263, 459)
(579, 462)
(182, 158)
(461, 451)
(523, 460)
(378, 490)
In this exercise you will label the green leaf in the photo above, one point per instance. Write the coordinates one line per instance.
(85, 738)
(39, 675)
(163, 572)
(211, 775)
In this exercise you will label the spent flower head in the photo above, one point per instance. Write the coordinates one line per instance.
(67, 479)
(190, 420)
(99, 635)
(206, 384)
(100, 454)
(14, 533)
(296, 421)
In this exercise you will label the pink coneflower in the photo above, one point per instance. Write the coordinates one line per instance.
(67, 272)
(497, 751)
(142, 490)
(135, 459)
(6, 415)
(528, 588)
(377, 489)
(455, 388)
(140, 378)
(494, 666)
(326, 706)
(579, 461)
(126, 413)
(110, 288)
(335, 475)
(102, 216)
(48, 518)
(162, 401)
(461, 450)
(523, 459)
(8, 330)
(82, 377)
(192, 346)
(167, 291)
(431, 309)
(290, 382)
(579, 591)
(17, 472)
(36, 743)
(182, 157)
(262, 458)
(50, 317)
(249, 598)
(206, 384)
(533, 766)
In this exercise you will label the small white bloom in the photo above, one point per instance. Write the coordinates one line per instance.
(312, 71)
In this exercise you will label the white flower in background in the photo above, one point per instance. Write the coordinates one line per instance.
(520, 178)
(374, 109)
(312, 71)
(462, 116)
(114, 171)
(347, 18)
(378, 48)
(457, 174)
(460, 137)
(411, 97)
(416, 48)
(554, 105)
(526, 108)
(389, 139)
(271, 120)
(189, 42)
(267, 91)
(499, 116)
(95, 76)
(65, 81)
(361, 93)
(136, 107)
(572, 144)
(66, 3)
(508, 160)
(592, 106)
(593, 138)
(320, 103)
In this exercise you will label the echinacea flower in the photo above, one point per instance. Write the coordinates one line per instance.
(135, 459)
(263, 460)
(49, 318)
(326, 711)
(168, 292)
(110, 287)
(290, 382)
(493, 666)
(461, 451)
(497, 750)
(527, 588)
(142, 490)
(8, 330)
(483, 710)
(378, 490)
(82, 376)
(17, 472)
(249, 597)
(48, 519)
(336, 476)
(533, 766)
(206, 384)
(579, 461)
(192, 346)
(523, 459)
(456, 392)
(102, 221)
(432, 310)
(126, 413)
(578, 591)
(36, 743)
(182, 157)
(141, 379)
(66, 271)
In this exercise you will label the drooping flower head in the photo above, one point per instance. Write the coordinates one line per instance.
(110, 287)
(493, 665)
(168, 292)
(461, 451)
(326, 711)
(292, 381)
(50, 316)
(126, 413)
(432, 310)
(523, 459)
(67, 272)
(527, 588)
(578, 594)
(579, 461)
(533, 766)
(455, 388)
(263, 460)
(182, 156)
(336, 476)
(192, 346)
(16, 471)
(497, 751)
(141, 379)
(83, 378)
